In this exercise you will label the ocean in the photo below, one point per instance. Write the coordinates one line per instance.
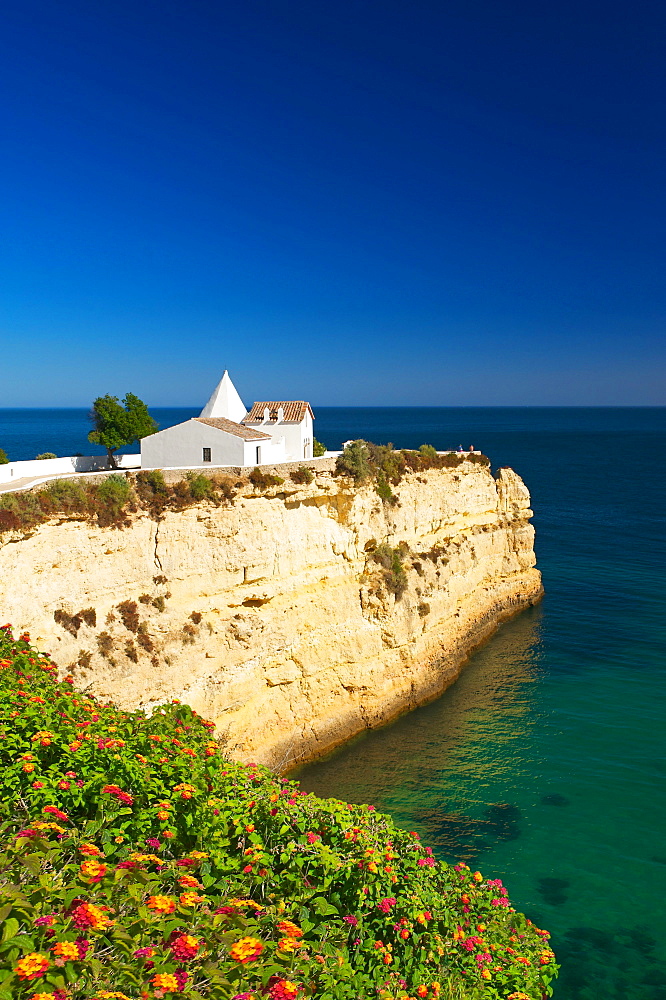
(545, 764)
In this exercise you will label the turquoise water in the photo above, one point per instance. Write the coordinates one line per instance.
(545, 764)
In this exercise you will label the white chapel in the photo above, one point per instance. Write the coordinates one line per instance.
(225, 433)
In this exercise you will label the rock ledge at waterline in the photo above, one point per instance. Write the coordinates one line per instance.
(277, 621)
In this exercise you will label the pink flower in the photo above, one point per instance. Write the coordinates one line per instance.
(353, 921)
(385, 904)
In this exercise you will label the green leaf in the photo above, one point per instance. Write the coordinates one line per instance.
(10, 929)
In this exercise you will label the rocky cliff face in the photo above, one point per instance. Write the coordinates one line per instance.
(293, 617)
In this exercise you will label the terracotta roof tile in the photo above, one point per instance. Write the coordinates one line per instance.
(222, 424)
(294, 411)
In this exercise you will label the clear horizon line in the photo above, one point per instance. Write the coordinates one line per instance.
(401, 406)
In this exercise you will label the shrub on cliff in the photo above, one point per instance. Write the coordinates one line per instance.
(262, 480)
(302, 475)
(390, 559)
(3, 457)
(200, 486)
(318, 449)
(138, 862)
(355, 462)
(363, 461)
(114, 491)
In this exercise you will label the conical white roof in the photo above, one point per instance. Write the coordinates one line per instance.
(225, 402)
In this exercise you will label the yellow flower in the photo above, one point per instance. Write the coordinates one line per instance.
(191, 899)
(32, 966)
(289, 928)
(161, 904)
(246, 949)
(288, 944)
(165, 982)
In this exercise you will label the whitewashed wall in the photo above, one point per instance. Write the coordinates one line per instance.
(296, 440)
(64, 466)
(182, 447)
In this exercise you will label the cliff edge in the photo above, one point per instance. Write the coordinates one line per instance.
(294, 616)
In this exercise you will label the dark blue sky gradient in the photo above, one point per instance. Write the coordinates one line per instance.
(357, 203)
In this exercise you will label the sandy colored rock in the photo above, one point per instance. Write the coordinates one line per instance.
(277, 621)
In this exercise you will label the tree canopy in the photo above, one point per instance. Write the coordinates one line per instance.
(118, 424)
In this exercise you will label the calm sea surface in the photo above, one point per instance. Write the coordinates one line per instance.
(545, 764)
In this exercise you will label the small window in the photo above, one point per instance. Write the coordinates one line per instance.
(206, 454)
(258, 455)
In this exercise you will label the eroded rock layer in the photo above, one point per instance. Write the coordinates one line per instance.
(293, 617)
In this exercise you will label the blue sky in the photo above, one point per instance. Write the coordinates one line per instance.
(358, 203)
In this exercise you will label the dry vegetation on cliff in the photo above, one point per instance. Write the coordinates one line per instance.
(385, 466)
(112, 501)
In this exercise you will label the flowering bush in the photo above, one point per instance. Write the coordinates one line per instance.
(138, 862)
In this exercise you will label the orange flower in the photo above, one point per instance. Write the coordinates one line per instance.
(93, 870)
(291, 930)
(89, 915)
(163, 815)
(67, 950)
(90, 850)
(189, 882)
(44, 736)
(486, 974)
(161, 904)
(289, 944)
(165, 982)
(191, 899)
(477, 876)
(32, 966)
(247, 949)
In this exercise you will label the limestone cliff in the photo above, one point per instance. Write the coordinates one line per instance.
(275, 613)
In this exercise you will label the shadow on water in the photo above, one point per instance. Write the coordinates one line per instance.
(464, 838)
(614, 965)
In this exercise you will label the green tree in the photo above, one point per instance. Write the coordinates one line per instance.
(117, 425)
(318, 449)
(3, 458)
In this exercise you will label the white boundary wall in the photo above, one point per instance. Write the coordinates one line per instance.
(64, 466)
